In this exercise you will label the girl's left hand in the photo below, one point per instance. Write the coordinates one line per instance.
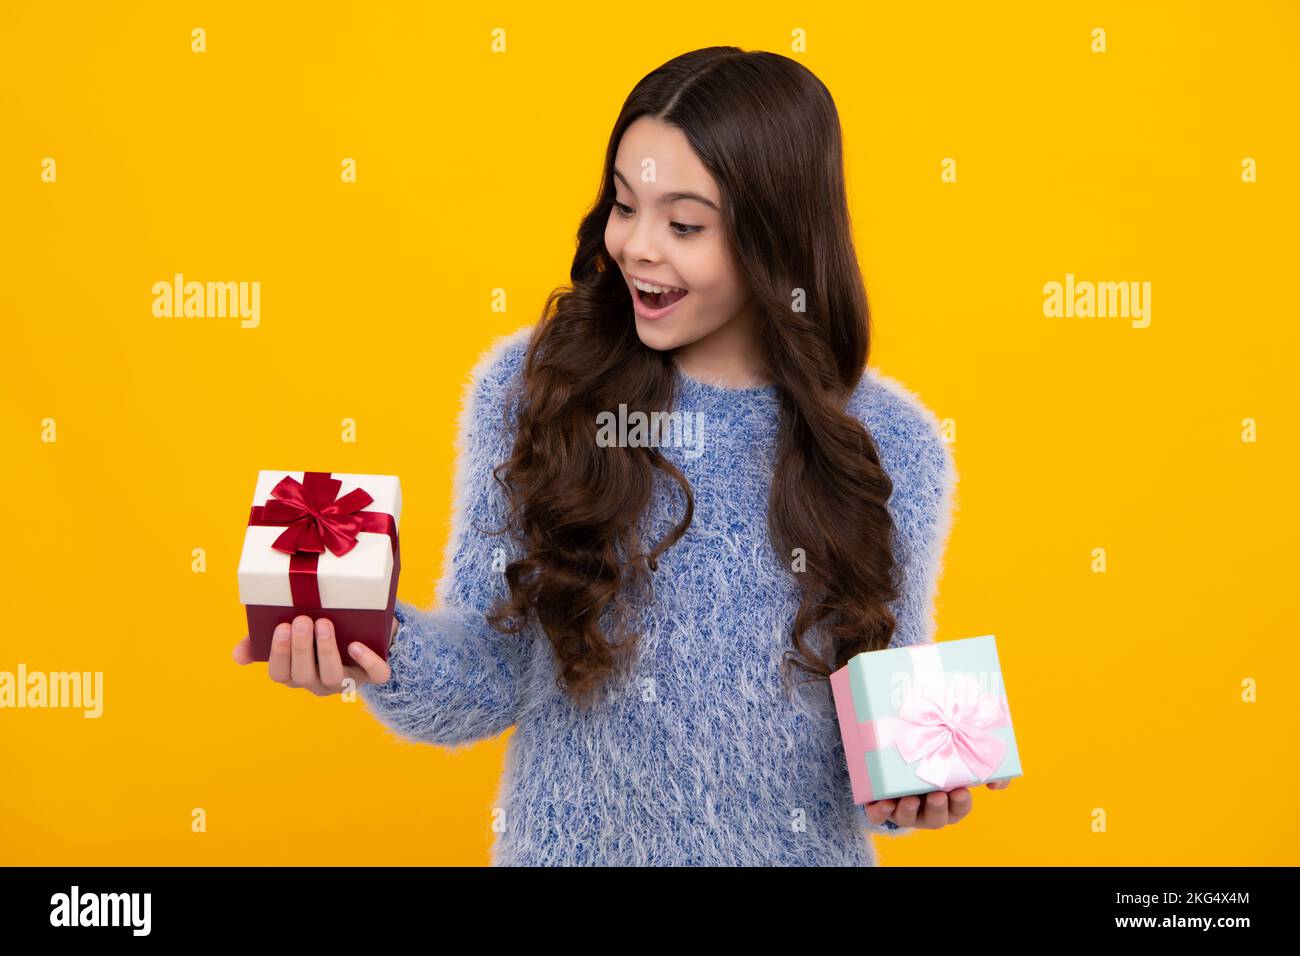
(927, 811)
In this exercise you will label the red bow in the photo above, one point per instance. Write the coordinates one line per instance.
(315, 519)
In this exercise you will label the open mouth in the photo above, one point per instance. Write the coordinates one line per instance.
(661, 300)
(654, 303)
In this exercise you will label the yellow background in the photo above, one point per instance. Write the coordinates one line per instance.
(473, 171)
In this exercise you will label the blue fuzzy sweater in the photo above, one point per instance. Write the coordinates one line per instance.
(699, 757)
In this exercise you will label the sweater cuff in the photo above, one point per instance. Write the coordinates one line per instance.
(402, 663)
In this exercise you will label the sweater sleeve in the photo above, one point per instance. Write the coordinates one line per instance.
(920, 464)
(454, 679)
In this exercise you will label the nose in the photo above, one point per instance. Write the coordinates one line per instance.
(640, 245)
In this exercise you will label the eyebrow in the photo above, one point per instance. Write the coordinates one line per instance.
(669, 198)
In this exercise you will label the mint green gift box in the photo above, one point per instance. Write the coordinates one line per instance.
(925, 717)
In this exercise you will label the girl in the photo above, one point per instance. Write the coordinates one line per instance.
(796, 505)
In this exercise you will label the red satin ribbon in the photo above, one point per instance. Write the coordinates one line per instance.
(316, 519)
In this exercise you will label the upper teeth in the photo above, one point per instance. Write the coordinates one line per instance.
(647, 287)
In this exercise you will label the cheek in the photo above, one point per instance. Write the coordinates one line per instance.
(706, 269)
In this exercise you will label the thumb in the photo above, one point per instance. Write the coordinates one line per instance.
(376, 668)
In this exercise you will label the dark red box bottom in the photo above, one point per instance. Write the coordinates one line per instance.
(370, 627)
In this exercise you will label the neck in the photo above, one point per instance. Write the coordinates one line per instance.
(729, 356)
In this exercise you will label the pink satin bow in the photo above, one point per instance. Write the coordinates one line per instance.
(947, 729)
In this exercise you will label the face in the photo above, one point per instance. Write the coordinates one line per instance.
(668, 232)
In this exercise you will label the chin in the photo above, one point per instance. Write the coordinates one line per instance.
(655, 335)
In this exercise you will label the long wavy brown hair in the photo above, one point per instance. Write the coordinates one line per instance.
(768, 132)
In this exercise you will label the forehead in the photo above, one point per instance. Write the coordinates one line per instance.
(676, 167)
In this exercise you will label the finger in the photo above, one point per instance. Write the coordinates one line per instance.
(278, 666)
(878, 811)
(243, 652)
(959, 803)
(999, 784)
(905, 814)
(327, 651)
(303, 669)
(936, 810)
(376, 667)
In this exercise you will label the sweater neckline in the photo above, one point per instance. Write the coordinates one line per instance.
(695, 391)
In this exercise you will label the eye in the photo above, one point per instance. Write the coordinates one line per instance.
(679, 229)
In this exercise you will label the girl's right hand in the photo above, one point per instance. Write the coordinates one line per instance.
(306, 656)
